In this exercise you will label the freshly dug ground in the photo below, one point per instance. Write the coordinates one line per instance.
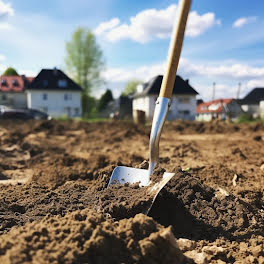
(55, 207)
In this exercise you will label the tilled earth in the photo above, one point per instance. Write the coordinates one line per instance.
(55, 207)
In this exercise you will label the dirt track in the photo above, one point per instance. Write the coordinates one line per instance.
(57, 172)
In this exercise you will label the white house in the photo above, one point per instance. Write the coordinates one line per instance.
(55, 93)
(218, 109)
(251, 102)
(183, 103)
(261, 109)
(51, 91)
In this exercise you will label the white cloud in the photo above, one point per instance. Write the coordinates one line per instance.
(143, 73)
(199, 24)
(5, 26)
(255, 83)
(2, 57)
(153, 23)
(6, 10)
(236, 71)
(240, 22)
(105, 26)
(28, 73)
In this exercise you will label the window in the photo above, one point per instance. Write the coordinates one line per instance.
(184, 100)
(184, 112)
(44, 96)
(62, 83)
(45, 83)
(76, 111)
(3, 82)
(67, 97)
(14, 82)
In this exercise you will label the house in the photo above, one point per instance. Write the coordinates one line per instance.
(218, 109)
(251, 102)
(183, 103)
(13, 91)
(51, 91)
(261, 109)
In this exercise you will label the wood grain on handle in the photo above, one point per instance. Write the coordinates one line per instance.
(175, 50)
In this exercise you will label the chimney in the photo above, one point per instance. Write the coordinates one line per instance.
(55, 71)
(140, 88)
(187, 81)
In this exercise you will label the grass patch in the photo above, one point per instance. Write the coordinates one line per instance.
(248, 118)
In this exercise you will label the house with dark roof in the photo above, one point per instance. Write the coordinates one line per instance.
(51, 91)
(183, 103)
(253, 103)
(218, 109)
(12, 91)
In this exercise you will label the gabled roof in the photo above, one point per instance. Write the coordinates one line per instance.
(214, 106)
(15, 83)
(53, 79)
(253, 97)
(153, 87)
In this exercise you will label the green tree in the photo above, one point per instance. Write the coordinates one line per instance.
(10, 72)
(84, 60)
(89, 105)
(131, 87)
(105, 99)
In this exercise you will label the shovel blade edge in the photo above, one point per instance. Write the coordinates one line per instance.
(123, 174)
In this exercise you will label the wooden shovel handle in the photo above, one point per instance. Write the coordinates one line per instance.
(175, 50)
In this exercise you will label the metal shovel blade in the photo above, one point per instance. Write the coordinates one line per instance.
(122, 175)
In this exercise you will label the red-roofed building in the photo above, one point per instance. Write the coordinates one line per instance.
(51, 91)
(218, 109)
(12, 90)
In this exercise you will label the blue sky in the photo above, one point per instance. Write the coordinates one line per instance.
(224, 40)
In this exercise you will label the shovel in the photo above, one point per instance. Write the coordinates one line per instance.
(122, 174)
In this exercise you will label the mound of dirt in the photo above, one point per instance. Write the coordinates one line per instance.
(197, 211)
(215, 202)
(88, 237)
(184, 203)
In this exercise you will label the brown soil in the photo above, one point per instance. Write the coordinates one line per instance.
(55, 207)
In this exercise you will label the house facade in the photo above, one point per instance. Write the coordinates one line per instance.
(183, 104)
(218, 109)
(261, 109)
(13, 91)
(251, 103)
(51, 91)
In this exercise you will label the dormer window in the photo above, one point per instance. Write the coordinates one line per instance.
(3, 82)
(45, 83)
(14, 82)
(62, 83)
